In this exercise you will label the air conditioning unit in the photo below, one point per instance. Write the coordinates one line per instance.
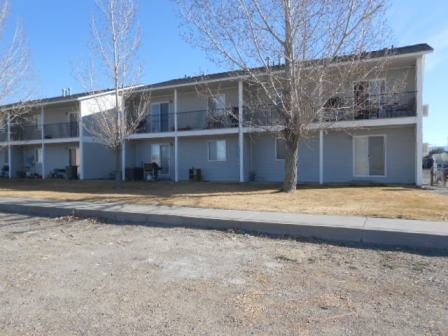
(425, 110)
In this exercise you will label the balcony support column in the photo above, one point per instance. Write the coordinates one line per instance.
(321, 136)
(418, 125)
(176, 140)
(9, 147)
(81, 144)
(321, 156)
(240, 129)
(42, 123)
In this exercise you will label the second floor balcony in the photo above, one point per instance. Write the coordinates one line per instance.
(29, 132)
(61, 130)
(190, 120)
(362, 107)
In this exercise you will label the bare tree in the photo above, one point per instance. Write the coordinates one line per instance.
(296, 55)
(115, 43)
(15, 68)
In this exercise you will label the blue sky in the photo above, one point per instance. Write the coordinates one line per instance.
(58, 32)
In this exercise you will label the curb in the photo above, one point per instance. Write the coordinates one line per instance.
(360, 234)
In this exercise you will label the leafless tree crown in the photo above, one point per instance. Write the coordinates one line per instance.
(116, 39)
(15, 66)
(296, 55)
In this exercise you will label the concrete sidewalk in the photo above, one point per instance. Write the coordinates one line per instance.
(391, 232)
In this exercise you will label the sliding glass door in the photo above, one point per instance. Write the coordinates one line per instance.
(160, 154)
(160, 117)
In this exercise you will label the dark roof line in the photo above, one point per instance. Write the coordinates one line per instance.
(57, 99)
(411, 49)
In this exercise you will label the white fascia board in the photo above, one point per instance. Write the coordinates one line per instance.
(218, 131)
(343, 124)
(151, 135)
(26, 142)
(62, 140)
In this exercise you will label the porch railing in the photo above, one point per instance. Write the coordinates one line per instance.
(343, 108)
(383, 106)
(24, 132)
(190, 120)
(207, 119)
(3, 135)
(61, 130)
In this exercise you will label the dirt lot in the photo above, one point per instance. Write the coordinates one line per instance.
(78, 277)
(379, 201)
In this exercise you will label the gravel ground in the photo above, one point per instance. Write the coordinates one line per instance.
(78, 277)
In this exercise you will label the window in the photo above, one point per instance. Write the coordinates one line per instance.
(369, 155)
(36, 121)
(369, 92)
(217, 150)
(280, 149)
(217, 104)
(38, 155)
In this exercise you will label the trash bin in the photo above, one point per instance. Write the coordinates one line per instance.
(195, 174)
(72, 172)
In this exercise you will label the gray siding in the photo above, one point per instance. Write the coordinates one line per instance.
(268, 169)
(400, 156)
(57, 156)
(99, 161)
(193, 152)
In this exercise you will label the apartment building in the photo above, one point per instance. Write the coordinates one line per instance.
(185, 129)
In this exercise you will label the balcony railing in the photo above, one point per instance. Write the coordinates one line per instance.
(157, 124)
(61, 130)
(25, 132)
(3, 135)
(341, 108)
(190, 120)
(382, 106)
(337, 108)
(206, 119)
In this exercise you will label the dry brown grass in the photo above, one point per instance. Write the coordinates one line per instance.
(377, 201)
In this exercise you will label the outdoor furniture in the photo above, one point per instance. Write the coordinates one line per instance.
(151, 171)
(72, 172)
(195, 174)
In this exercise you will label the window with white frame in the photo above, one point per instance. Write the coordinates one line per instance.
(369, 155)
(280, 149)
(217, 150)
(217, 104)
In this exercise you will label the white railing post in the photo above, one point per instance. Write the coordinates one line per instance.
(321, 138)
(42, 123)
(81, 144)
(240, 129)
(176, 140)
(321, 156)
(9, 146)
(418, 125)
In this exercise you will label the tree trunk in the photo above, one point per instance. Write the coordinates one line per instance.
(291, 160)
(117, 153)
